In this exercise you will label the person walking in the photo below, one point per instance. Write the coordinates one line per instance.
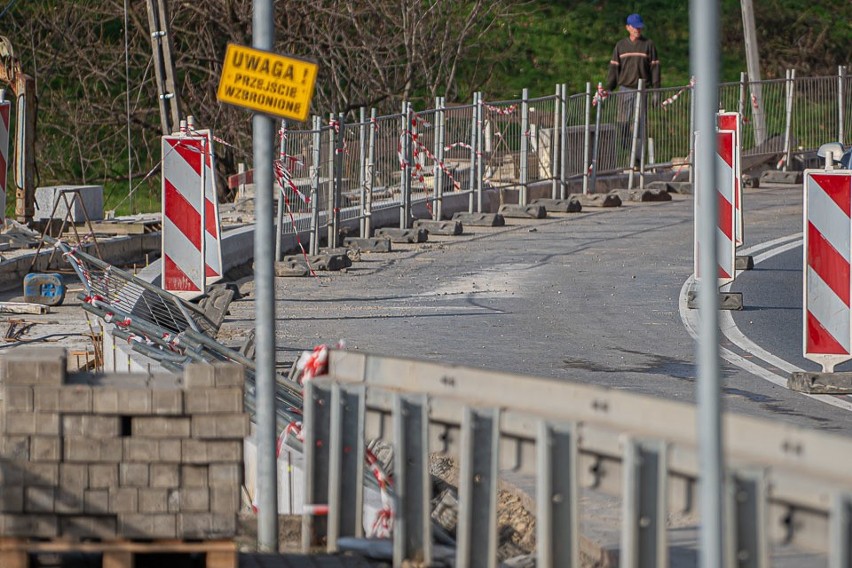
(634, 58)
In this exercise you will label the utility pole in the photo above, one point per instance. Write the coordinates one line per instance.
(753, 66)
(164, 65)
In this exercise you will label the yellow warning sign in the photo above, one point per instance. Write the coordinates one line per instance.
(266, 82)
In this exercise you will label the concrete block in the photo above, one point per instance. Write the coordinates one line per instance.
(83, 450)
(206, 525)
(103, 476)
(88, 527)
(220, 426)
(597, 200)
(78, 201)
(147, 526)
(225, 475)
(140, 449)
(789, 178)
(480, 219)
(165, 475)
(219, 375)
(17, 399)
(209, 452)
(39, 499)
(29, 526)
(70, 398)
(727, 300)
(745, 262)
(402, 235)
(194, 476)
(558, 205)
(73, 475)
(96, 501)
(45, 448)
(11, 473)
(641, 195)
(70, 500)
(14, 448)
(451, 228)
(680, 187)
(133, 474)
(189, 500)
(821, 383)
(30, 366)
(166, 402)
(42, 474)
(91, 426)
(31, 423)
(332, 262)
(170, 451)
(153, 500)
(123, 401)
(373, 244)
(290, 270)
(215, 400)
(123, 500)
(523, 212)
(161, 426)
(11, 498)
(225, 499)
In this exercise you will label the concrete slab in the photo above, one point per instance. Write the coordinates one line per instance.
(91, 196)
(820, 383)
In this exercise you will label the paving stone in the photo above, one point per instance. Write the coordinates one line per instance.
(11, 498)
(147, 526)
(189, 500)
(96, 501)
(193, 476)
(15, 448)
(206, 525)
(153, 500)
(88, 527)
(139, 449)
(45, 474)
(121, 401)
(39, 499)
(209, 452)
(199, 375)
(166, 402)
(30, 526)
(45, 448)
(18, 399)
(33, 366)
(103, 476)
(123, 499)
(213, 400)
(70, 500)
(72, 475)
(45, 424)
(225, 499)
(225, 475)
(83, 450)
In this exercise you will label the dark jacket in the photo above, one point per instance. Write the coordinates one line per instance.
(632, 61)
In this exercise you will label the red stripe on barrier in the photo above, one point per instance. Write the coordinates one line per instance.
(723, 273)
(210, 220)
(176, 279)
(725, 147)
(190, 151)
(177, 207)
(829, 264)
(837, 188)
(820, 341)
(726, 217)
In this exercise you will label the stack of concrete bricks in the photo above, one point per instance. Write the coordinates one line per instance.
(130, 456)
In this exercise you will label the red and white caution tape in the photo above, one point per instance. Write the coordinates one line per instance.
(675, 96)
(383, 524)
(600, 95)
(501, 110)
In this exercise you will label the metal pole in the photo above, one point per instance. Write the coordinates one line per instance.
(263, 133)
(480, 149)
(339, 132)
(405, 209)
(279, 223)
(316, 156)
(788, 128)
(586, 138)
(371, 168)
(525, 145)
(475, 156)
(362, 168)
(634, 139)
(563, 161)
(437, 172)
(753, 66)
(594, 167)
(692, 127)
(329, 201)
(741, 101)
(704, 61)
(841, 104)
(554, 143)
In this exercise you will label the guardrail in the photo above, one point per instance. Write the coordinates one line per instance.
(784, 484)
(347, 170)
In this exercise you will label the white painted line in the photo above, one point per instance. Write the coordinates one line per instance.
(734, 335)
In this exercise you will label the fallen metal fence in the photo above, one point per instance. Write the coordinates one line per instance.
(412, 160)
(785, 485)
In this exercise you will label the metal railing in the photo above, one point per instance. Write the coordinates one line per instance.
(785, 485)
(414, 159)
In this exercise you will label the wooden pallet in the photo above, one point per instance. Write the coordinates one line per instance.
(15, 552)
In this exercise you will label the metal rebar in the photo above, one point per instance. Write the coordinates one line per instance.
(704, 62)
(263, 133)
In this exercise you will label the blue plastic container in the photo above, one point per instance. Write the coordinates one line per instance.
(45, 289)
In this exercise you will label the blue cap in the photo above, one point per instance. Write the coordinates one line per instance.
(635, 20)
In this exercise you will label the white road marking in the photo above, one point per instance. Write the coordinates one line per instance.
(733, 334)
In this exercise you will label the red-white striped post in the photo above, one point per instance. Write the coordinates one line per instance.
(5, 109)
(827, 321)
(733, 121)
(185, 272)
(725, 224)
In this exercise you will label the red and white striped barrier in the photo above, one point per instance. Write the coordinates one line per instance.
(827, 321)
(189, 265)
(5, 108)
(725, 224)
(733, 121)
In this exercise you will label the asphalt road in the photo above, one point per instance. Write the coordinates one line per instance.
(591, 297)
